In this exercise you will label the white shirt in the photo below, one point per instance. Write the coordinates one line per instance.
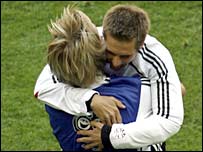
(161, 110)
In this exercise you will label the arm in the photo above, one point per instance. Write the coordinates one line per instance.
(167, 104)
(143, 132)
(142, 129)
(74, 100)
(59, 95)
(163, 120)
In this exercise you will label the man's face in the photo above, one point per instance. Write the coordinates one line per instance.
(119, 53)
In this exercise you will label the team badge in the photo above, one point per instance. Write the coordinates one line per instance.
(82, 121)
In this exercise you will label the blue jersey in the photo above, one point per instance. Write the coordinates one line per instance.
(65, 126)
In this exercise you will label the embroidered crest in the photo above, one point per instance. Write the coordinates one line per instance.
(82, 121)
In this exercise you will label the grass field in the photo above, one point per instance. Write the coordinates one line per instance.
(24, 37)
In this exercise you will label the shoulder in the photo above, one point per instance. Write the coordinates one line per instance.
(153, 58)
(47, 70)
(152, 44)
(151, 41)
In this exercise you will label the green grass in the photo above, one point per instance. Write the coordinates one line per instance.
(24, 39)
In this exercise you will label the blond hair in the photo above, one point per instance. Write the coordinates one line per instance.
(125, 22)
(75, 54)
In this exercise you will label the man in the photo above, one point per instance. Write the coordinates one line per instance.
(125, 31)
(130, 49)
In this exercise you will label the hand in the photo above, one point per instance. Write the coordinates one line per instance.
(106, 108)
(92, 137)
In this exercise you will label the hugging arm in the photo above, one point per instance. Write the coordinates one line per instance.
(164, 117)
(59, 95)
(74, 100)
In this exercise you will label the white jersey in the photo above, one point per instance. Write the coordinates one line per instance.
(160, 113)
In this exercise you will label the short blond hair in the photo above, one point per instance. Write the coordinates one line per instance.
(125, 22)
(76, 53)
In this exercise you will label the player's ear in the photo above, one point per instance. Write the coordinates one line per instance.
(142, 44)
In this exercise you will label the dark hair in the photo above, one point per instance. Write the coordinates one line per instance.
(125, 22)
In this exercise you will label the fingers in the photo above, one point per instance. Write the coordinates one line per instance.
(96, 124)
(91, 138)
(111, 117)
(119, 104)
(84, 140)
(87, 140)
(118, 117)
(89, 146)
(84, 132)
(108, 121)
(107, 109)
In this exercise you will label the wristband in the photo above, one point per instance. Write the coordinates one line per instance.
(105, 132)
(88, 103)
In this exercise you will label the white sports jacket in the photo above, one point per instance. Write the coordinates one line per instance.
(160, 113)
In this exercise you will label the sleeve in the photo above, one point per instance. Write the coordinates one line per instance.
(166, 116)
(59, 95)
